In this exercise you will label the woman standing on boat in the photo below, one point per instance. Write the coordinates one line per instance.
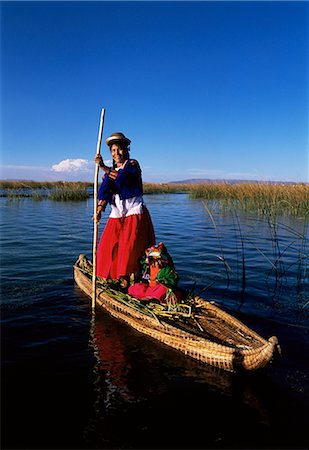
(129, 230)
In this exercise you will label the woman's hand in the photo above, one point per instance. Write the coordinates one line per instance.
(99, 215)
(101, 207)
(99, 160)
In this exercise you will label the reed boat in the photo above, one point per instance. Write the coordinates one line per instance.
(196, 327)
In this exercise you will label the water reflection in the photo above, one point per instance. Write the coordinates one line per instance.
(111, 361)
(142, 386)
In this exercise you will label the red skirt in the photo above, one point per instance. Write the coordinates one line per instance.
(123, 243)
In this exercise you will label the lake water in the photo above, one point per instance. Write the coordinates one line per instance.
(72, 381)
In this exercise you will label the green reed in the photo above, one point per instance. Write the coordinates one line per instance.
(71, 192)
(19, 194)
(28, 184)
(278, 266)
(53, 190)
(265, 198)
(269, 202)
(165, 188)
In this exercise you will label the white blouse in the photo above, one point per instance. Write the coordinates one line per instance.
(128, 207)
(124, 208)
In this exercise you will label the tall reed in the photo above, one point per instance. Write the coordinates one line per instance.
(281, 239)
(165, 188)
(28, 184)
(265, 198)
(53, 190)
(72, 192)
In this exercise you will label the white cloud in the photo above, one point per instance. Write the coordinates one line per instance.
(72, 165)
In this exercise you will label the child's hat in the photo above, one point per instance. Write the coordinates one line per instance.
(157, 252)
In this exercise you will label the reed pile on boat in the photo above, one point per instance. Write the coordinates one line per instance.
(196, 327)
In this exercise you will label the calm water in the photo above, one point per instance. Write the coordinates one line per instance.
(69, 381)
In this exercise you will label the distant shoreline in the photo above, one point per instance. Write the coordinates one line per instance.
(13, 183)
(264, 198)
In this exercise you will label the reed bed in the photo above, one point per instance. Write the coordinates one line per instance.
(71, 192)
(53, 190)
(19, 194)
(28, 184)
(165, 188)
(265, 198)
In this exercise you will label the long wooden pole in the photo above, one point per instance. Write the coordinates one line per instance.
(95, 221)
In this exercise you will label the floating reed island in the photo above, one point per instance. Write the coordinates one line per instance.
(266, 198)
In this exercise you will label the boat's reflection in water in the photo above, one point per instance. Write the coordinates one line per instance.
(140, 384)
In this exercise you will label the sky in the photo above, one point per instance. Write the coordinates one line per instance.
(204, 90)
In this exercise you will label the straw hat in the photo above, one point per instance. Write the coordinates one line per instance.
(117, 137)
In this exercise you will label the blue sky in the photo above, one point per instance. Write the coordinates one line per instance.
(214, 90)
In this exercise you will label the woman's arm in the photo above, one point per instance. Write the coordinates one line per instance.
(99, 161)
(106, 189)
(130, 177)
(100, 208)
(111, 172)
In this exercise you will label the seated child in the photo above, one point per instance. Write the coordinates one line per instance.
(159, 277)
